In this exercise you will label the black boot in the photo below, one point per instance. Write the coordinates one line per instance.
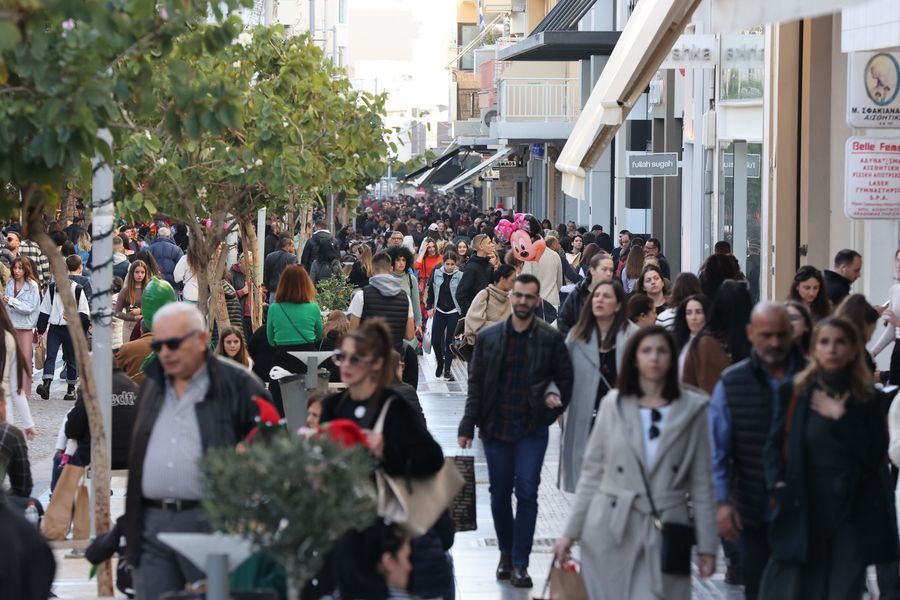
(70, 394)
(505, 567)
(440, 370)
(43, 389)
(519, 577)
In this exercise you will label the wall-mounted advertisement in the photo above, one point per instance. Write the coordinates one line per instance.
(873, 82)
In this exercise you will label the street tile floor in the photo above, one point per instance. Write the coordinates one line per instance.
(475, 553)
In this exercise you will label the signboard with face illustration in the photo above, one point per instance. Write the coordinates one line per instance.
(873, 82)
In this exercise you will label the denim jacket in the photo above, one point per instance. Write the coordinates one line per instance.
(23, 308)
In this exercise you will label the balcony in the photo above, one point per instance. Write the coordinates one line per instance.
(537, 109)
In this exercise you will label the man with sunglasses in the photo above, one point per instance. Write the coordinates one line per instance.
(520, 381)
(190, 401)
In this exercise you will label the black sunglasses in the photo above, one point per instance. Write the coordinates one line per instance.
(655, 417)
(354, 360)
(171, 343)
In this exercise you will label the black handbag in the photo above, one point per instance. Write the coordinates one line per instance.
(677, 538)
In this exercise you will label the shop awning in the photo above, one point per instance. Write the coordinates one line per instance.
(476, 170)
(649, 35)
(451, 151)
(565, 15)
(561, 46)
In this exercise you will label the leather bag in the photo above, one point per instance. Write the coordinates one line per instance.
(415, 504)
(677, 538)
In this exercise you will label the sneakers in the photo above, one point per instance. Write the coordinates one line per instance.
(43, 389)
(439, 371)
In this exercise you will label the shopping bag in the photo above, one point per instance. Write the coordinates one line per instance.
(40, 351)
(59, 515)
(81, 515)
(462, 509)
(415, 504)
(426, 339)
(564, 583)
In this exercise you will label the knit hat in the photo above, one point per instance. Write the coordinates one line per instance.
(268, 420)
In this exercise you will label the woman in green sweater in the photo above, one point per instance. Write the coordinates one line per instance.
(293, 323)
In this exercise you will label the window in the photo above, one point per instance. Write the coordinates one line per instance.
(741, 84)
(342, 11)
(465, 34)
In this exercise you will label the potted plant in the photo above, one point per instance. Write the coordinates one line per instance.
(334, 293)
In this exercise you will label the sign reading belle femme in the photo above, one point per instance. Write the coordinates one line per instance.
(872, 175)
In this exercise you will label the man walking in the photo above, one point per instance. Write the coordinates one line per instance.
(191, 401)
(277, 262)
(653, 248)
(520, 381)
(477, 274)
(384, 297)
(166, 253)
(311, 248)
(624, 243)
(740, 415)
(847, 268)
(52, 319)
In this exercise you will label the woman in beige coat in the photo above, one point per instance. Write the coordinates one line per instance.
(491, 304)
(652, 425)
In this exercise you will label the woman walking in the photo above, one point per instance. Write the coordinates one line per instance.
(686, 284)
(647, 465)
(723, 341)
(185, 273)
(491, 304)
(690, 319)
(892, 319)
(128, 303)
(825, 467)
(809, 288)
(231, 345)
(443, 308)
(361, 270)
(652, 283)
(596, 345)
(23, 299)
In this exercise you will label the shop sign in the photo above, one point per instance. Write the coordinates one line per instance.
(872, 175)
(753, 165)
(490, 174)
(707, 51)
(643, 164)
(873, 83)
(507, 164)
(503, 188)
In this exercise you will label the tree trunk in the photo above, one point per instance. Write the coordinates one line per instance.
(99, 448)
(249, 261)
(218, 310)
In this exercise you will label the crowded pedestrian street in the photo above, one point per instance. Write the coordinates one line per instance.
(450, 300)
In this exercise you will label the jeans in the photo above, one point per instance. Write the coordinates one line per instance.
(754, 552)
(442, 328)
(58, 337)
(516, 466)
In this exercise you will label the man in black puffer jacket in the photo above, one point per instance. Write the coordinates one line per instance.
(477, 274)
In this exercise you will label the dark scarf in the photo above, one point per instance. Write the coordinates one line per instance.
(834, 383)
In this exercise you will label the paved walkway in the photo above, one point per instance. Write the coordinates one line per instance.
(475, 552)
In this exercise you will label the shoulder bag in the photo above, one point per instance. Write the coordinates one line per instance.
(677, 538)
(415, 504)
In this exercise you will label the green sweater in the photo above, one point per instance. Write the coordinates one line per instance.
(288, 324)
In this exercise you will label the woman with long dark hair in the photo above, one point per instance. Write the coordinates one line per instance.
(723, 341)
(685, 284)
(23, 300)
(808, 287)
(647, 465)
(801, 324)
(231, 345)
(633, 266)
(128, 303)
(652, 283)
(186, 270)
(596, 345)
(825, 468)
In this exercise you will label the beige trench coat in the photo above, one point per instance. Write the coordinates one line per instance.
(620, 546)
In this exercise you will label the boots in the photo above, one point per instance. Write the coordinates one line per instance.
(70, 393)
(43, 389)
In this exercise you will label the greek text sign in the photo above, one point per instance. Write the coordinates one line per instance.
(641, 164)
(872, 175)
(873, 82)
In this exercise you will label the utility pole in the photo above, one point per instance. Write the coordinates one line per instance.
(312, 20)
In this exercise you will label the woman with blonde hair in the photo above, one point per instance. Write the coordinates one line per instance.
(361, 270)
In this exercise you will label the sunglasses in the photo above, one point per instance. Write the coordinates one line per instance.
(353, 360)
(171, 343)
(655, 417)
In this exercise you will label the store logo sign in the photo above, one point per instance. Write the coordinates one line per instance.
(706, 51)
(873, 101)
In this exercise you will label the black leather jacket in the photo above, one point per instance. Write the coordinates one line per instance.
(225, 417)
(548, 363)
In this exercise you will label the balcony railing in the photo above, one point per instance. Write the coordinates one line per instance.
(540, 100)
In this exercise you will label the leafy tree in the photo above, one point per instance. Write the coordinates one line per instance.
(266, 121)
(62, 79)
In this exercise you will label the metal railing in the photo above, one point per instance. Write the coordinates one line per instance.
(537, 100)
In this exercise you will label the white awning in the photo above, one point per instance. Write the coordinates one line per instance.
(476, 170)
(650, 33)
(648, 37)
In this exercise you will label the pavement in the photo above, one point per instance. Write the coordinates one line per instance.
(475, 553)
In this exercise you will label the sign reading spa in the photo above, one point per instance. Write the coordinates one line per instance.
(872, 175)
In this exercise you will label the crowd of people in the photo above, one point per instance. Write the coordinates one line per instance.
(690, 414)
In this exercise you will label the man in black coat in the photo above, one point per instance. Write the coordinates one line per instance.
(311, 248)
(847, 268)
(520, 381)
(277, 262)
(477, 274)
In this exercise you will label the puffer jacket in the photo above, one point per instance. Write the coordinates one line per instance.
(225, 416)
(167, 255)
(548, 364)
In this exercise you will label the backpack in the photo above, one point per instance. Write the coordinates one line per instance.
(79, 291)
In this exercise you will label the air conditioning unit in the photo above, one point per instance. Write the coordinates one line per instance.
(488, 115)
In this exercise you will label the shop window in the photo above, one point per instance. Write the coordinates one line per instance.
(741, 84)
(742, 198)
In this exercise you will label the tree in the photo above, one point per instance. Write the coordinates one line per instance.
(62, 80)
(267, 121)
(292, 496)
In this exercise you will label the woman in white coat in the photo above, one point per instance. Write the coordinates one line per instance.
(596, 344)
(649, 429)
